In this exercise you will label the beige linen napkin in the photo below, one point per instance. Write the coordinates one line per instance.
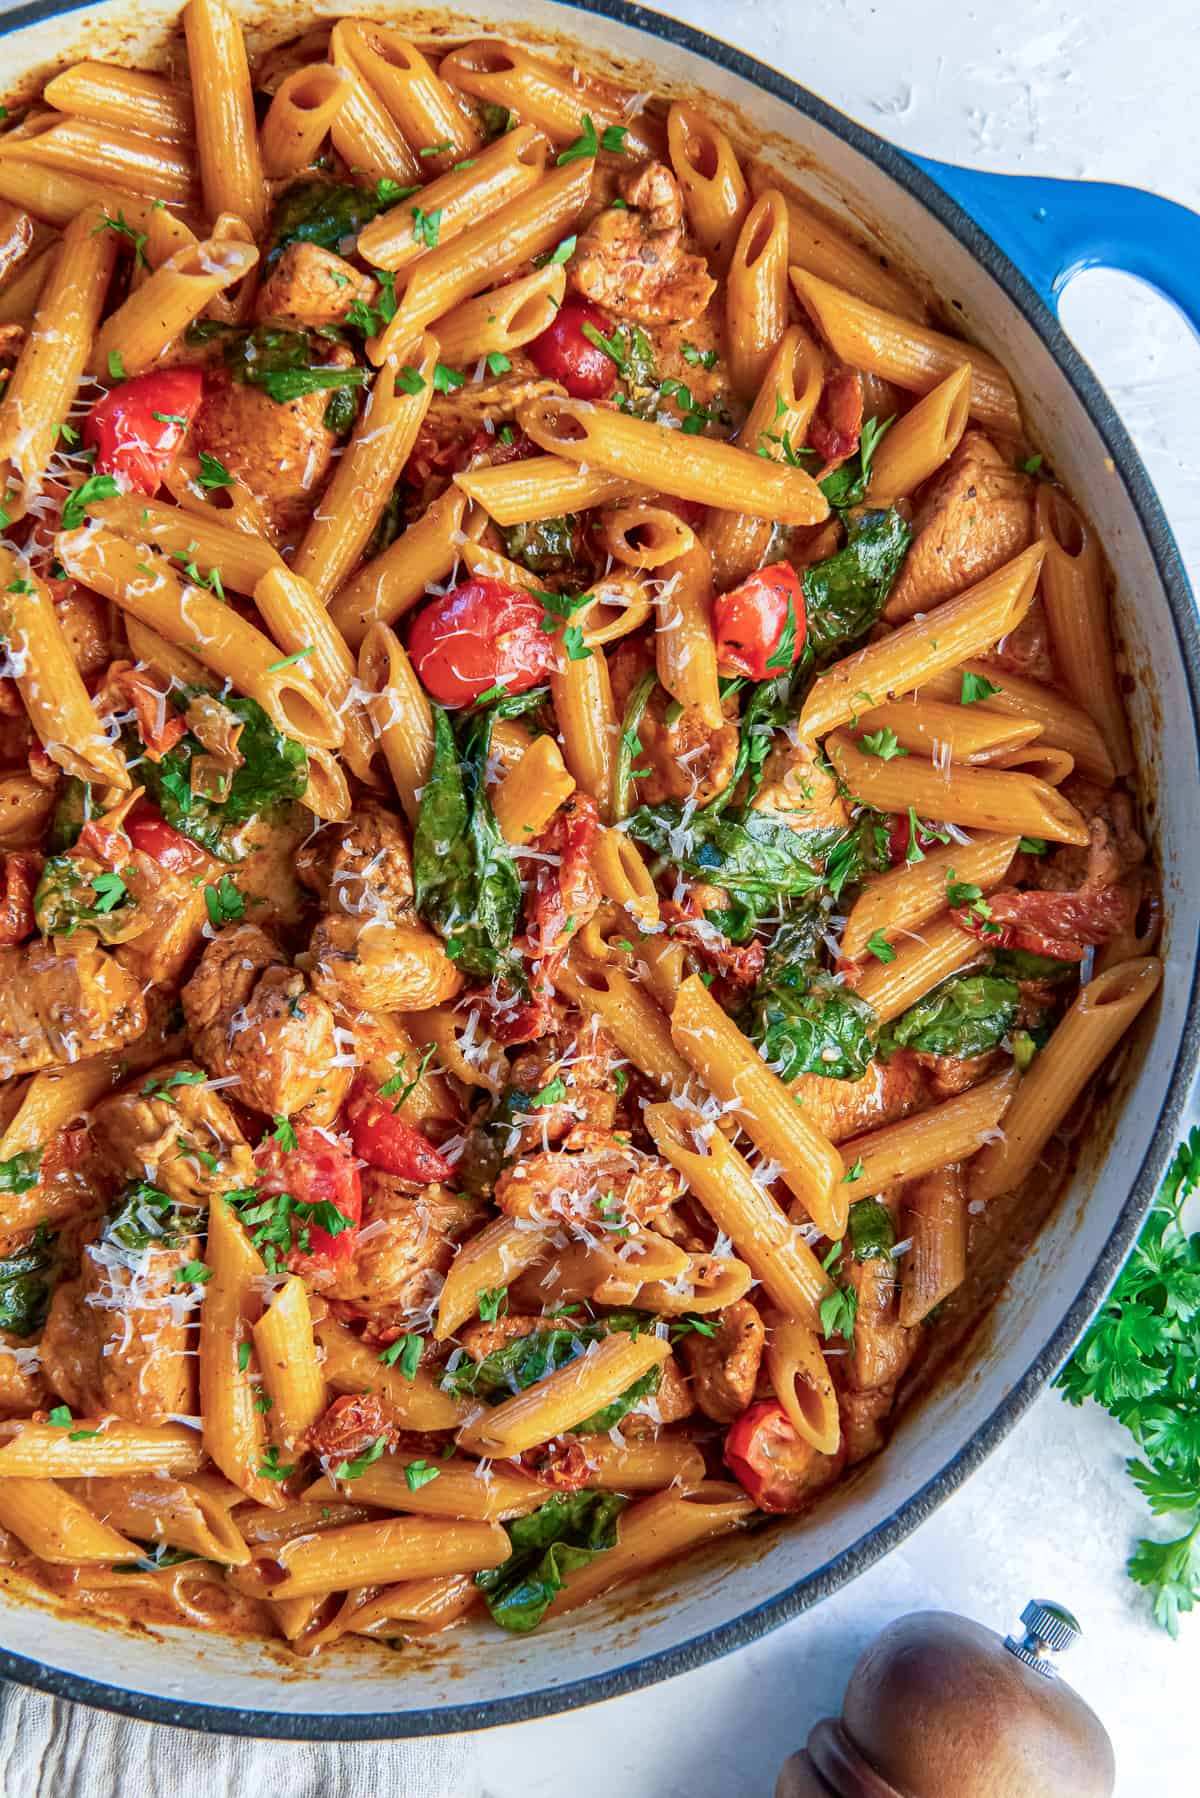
(50, 1748)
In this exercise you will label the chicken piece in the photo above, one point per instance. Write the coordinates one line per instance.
(367, 965)
(1114, 850)
(312, 286)
(952, 1074)
(252, 1015)
(452, 416)
(1026, 650)
(397, 1270)
(352, 1424)
(724, 1367)
(62, 1000)
(975, 516)
(175, 1132)
(362, 869)
(266, 875)
(115, 1338)
(888, 1091)
(481, 1340)
(174, 912)
(86, 622)
(800, 789)
(633, 260)
(578, 1052)
(600, 1183)
(22, 1388)
(863, 1415)
(881, 1348)
(281, 452)
(671, 1400)
(688, 759)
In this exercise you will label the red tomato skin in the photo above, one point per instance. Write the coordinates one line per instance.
(386, 1142)
(316, 1169)
(480, 633)
(749, 622)
(776, 1481)
(16, 906)
(129, 440)
(900, 835)
(149, 831)
(1061, 925)
(563, 353)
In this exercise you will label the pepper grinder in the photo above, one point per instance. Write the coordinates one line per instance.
(940, 1707)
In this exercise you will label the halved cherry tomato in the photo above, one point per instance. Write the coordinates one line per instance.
(16, 907)
(481, 633)
(760, 626)
(149, 831)
(769, 1460)
(385, 1141)
(320, 1169)
(137, 429)
(1062, 925)
(836, 425)
(564, 354)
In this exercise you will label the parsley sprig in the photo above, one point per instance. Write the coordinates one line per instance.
(1140, 1362)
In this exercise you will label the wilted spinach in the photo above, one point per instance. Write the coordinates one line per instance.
(279, 361)
(549, 1543)
(964, 1016)
(804, 1022)
(844, 594)
(325, 213)
(26, 1277)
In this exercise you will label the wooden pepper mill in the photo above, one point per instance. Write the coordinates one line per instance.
(939, 1707)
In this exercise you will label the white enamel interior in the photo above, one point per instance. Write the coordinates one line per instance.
(481, 1665)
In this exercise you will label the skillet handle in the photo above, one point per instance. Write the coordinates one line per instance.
(1052, 229)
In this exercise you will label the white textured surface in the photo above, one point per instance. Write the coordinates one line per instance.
(1035, 87)
(1103, 90)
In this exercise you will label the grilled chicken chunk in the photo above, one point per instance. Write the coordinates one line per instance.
(61, 1001)
(977, 515)
(171, 1129)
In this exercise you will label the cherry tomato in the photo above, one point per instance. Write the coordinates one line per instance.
(565, 354)
(385, 1141)
(138, 428)
(769, 1460)
(760, 626)
(319, 1170)
(481, 633)
(836, 425)
(1062, 925)
(16, 906)
(149, 831)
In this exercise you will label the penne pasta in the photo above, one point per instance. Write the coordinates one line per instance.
(655, 1530)
(234, 1434)
(351, 1366)
(1073, 592)
(799, 1376)
(490, 1260)
(918, 965)
(907, 897)
(733, 1069)
(934, 1223)
(914, 357)
(79, 1450)
(684, 649)
(300, 117)
(822, 247)
(715, 195)
(564, 1398)
(141, 582)
(949, 733)
(415, 96)
(690, 467)
(388, 586)
(587, 718)
(57, 1527)
(126, 98)
(226, 135)
(1062, 725)
(923, 440)
(756, 292)
(364, 133)
(540, 487)
(458, 200)
(925, 647)
(540, 93)
(1104, 1010)
(399, 714)
(992, 798)
(742, 1207)
(951, 1131)
(503, 321)
(462, 1488)
(530, 794)
(372, 1554)
(156, 313)
(287, 1360)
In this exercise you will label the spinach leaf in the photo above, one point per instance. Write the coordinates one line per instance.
(610, 1415)
(546, 546)
(813, 1026)
(278, 360)
(756, 856)
(845, 593)
(144, 1215)
(1023, 964)
(466, 880)
(20, 1172)
(964, 1016)
(72, 809)
(549, 1543)
(767, 710)
(320, 212)
(25, 1281)
(68, 898)
(274, 772)
(847, 485)
(870, 1229)
(522, 1361)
